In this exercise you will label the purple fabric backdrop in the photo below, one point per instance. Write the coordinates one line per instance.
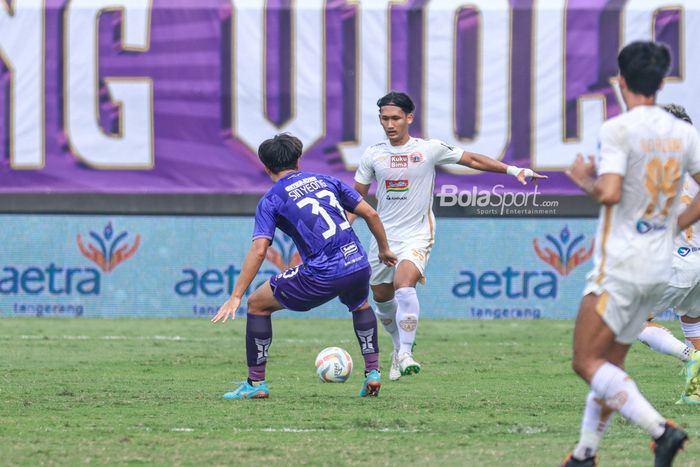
(189, 62)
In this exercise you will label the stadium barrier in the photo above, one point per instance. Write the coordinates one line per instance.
(164, 266)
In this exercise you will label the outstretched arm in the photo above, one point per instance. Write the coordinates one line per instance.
(486, 164)
(251, 266)
(367, 212)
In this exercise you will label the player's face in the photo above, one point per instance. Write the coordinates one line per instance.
(395, 123)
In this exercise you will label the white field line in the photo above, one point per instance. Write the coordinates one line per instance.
(155, 338)
(322, 430)
(528, 430)
(308, 430)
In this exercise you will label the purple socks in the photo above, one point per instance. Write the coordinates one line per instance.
(258, 337)
(365, 324)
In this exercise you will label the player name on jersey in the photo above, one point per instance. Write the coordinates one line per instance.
(307, 185)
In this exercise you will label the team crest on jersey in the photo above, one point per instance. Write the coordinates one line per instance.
(398, 161)
(396, 185)
(416, 157)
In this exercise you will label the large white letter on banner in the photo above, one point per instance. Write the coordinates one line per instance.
(639, 24)
(551, 148)
(250, 124)
(22, 52)
(132, 147)
(372, 75)
(493, 87)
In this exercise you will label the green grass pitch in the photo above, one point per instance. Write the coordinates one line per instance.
(142, 391)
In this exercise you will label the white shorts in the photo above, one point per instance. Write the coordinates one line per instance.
(415, 251)
(685, 301)
(624, 306)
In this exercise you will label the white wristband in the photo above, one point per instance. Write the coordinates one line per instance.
(514, 171)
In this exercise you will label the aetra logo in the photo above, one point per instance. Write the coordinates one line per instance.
(567, 252)
(108, 250)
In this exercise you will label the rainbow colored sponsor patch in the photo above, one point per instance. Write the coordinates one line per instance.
(396, 185)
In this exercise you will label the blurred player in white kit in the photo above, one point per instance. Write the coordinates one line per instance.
(682, 294)
(644, 152)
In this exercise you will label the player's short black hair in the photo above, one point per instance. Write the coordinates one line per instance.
(399, 99)
(677, 111)
(281, 152)
(644, 65)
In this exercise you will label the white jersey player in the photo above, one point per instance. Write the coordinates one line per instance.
(406, 177)
(682, 294)
(643, 155)
(404, 168)
(649, 150)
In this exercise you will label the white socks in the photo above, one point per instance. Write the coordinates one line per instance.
(596, 418)
(386, 314)
(620, 393)
(691, 331)
(407, 317)
(660, 339)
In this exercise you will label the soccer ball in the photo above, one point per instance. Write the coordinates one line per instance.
(333, 365)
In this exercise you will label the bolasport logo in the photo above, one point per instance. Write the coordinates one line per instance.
(497, 201)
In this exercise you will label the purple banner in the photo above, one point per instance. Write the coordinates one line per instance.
(190, 59)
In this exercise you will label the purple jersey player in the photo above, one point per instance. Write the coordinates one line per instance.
(310, 208)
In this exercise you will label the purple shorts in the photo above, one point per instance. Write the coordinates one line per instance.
(298, 290)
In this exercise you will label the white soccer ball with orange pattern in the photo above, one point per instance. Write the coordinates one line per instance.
(333, 365)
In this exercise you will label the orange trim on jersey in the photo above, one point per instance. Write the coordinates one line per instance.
(602, 304)
(430, 218)
(606, 232)
(431, 241)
